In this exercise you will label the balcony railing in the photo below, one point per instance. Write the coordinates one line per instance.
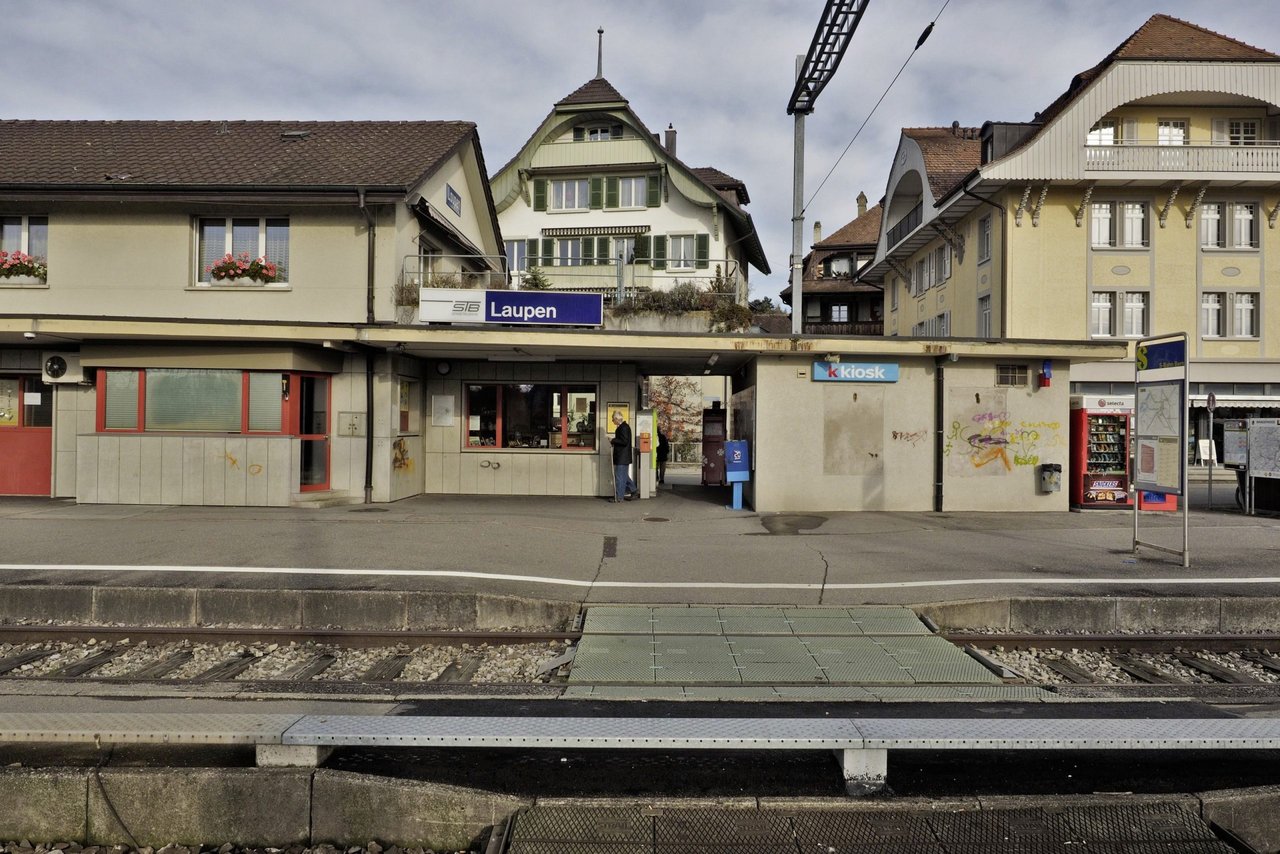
(906, 225)
(857, 327)
(1147, 156)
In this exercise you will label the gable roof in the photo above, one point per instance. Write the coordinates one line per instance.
(595, 91)
(862, 231)
(1162, 38)
(949, 153)
(233, 154)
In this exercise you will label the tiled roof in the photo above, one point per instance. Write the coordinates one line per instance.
(772, 324)
(225, 154)
(863, 231)
(949, 155)
(1161, 38)
(729, 187)
(594, 91)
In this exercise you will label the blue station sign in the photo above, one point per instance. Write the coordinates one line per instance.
(1167, 354)
(522, 308)
(855, 372)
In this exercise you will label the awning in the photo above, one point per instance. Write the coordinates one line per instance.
(597, 231)
(1231, 401)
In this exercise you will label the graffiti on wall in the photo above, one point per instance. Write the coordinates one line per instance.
(400, 459)
(911, 437)
(982, 438)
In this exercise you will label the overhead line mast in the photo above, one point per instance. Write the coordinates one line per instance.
(813, 71)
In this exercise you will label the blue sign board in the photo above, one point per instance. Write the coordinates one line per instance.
(737, 462)
(543, 308)
(1169, 354)
(855, 372)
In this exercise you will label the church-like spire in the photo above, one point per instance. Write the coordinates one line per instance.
(599, 53)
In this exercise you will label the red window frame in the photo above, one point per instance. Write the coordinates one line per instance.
(562, 394)
(100, 416)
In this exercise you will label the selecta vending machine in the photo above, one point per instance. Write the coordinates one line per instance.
(1100, 450)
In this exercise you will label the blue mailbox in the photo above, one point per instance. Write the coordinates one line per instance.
(737, 469)
(737, 463)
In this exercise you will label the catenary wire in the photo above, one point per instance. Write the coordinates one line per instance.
(920, 41)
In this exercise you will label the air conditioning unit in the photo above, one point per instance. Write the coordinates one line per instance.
(61, 368)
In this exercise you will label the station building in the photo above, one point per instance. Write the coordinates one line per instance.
(139, 364)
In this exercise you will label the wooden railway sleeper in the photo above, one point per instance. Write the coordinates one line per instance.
(85, 665)
(1070, 671)
(1263, 659)
(1217, 671)
(388, 669)
(162, 667)
(460, 670)
(1146, 673)
(13, 662)
(308, 668)
(228, 668)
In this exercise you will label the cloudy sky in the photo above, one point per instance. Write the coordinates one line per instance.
(721, 71)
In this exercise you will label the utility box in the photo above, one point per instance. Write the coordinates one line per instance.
(737, 462)
(1050, 477)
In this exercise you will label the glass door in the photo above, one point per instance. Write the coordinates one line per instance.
(312, 428)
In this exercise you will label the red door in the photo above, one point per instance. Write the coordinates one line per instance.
(310, 417)
(26, 436)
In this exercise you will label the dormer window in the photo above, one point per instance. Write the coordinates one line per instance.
(597, 133)
(838, 266)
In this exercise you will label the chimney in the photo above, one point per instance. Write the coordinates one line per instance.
(862, 204)
(817, 231)
(670, 142)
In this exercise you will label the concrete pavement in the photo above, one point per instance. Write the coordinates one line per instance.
(682, 546)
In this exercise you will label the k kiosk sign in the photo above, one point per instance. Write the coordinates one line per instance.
(523, 308)
(855, 372)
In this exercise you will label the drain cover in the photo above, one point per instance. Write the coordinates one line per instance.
(656, 519)
(610, 547)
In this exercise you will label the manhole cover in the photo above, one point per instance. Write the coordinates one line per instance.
(368, 510)
(656, 519)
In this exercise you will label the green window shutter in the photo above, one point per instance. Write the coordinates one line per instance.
(531, 252)
(642, 248)
(653, 184)
(611, 192)
(539, 194)
(548, 251)
(615, 131)
(588, 255)
(659, 252)
(597, 193)
(702, 250)
(602, 251)
(579, 134)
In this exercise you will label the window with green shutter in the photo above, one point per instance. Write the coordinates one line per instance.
(643, 246)
(548, 251)
(588, 251)
(532, 253)
(539, 194)
(654, 195)
(611, 192)
(659, 252)
(703, 250)
(602, 251)
(597, 193)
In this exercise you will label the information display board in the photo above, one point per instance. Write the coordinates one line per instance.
(1264, 447)
(1159, 449)
(1235, 444)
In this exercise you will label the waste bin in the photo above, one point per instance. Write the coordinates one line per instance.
(1050, 477)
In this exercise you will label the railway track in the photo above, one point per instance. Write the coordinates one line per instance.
(332, 656)
(1113, 660)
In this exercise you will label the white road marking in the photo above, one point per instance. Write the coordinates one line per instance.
(649, 585)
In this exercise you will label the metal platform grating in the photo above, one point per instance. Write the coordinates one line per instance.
(142, 727)
(1129, 829)
(785, 672)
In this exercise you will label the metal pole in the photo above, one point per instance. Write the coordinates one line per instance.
(1186, 432)
(1212, 457)
(620, 295)
(797, 221)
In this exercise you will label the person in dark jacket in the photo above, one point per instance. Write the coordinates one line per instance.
(664, 451)
(623, 486)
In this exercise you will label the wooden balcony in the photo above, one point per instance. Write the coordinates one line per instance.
(1149, 157)
(858, 327)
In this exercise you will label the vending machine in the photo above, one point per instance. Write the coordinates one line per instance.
(1100, 451)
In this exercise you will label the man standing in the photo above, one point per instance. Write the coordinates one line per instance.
(623, 485)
